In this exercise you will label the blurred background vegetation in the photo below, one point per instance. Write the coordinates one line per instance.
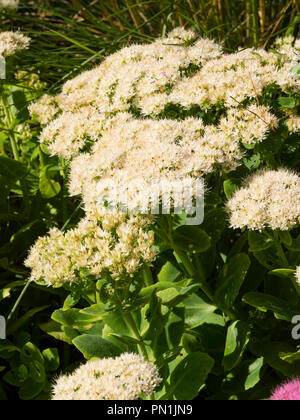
(72, 34)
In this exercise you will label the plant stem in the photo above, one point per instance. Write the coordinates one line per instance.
(148, 276)
(255, 22)
(188, 264)
(70, 218)
(248, 18)
(203, 283)
(132, 325)
(262, 16)
(18, 301)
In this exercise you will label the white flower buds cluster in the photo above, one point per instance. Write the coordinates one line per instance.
(112, 243)
(12, 42)
(122, 378)
(268, 199)
(96, 123)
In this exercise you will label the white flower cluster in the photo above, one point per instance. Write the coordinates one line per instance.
(231, 78)
(94, 122)
(9, 4)
(293, 124)
(151, 76)
(12, 42)
(122, 378)
(67, 134)
(44, 109)
(158, 154)
(105, 243)
(249, 125)
(269, 199)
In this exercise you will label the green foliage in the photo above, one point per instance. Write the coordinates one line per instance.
(264, 302)
(29, 370)
(184, 384)
(238, 335)
(94, 346)
(231, 279)
(191, 238)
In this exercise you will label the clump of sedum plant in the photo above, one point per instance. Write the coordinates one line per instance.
(210, 306)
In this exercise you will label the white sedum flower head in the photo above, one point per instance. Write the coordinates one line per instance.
(122, 378)
(160, 155)
(268, 199)
(12, 42)
(108, 244)
(250, 125)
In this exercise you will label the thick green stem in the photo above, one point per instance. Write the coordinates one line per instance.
(132, 325)
(203, 283)
(193, 272)
(14, 147)
(187, 263)
(147, 275)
